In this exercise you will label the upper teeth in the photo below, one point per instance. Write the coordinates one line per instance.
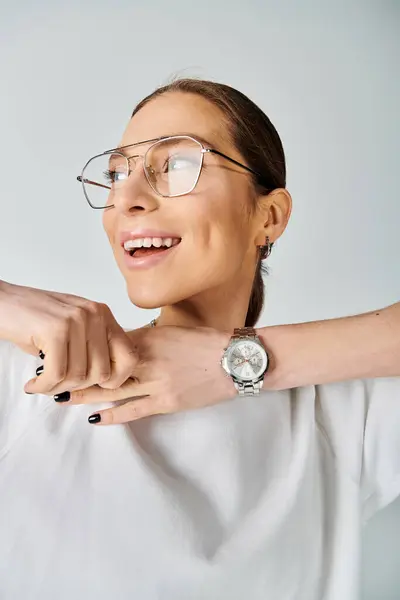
(148, 242)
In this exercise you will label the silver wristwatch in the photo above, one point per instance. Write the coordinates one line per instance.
(246, 361)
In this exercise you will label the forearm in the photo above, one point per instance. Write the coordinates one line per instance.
(356, 347)
(4, 309)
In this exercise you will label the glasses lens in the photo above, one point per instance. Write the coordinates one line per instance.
(102, 176)
(173, 166)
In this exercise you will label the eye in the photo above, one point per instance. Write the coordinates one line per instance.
(179, 162)
(112, 176)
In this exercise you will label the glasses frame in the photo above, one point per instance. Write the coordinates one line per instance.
(203, 149)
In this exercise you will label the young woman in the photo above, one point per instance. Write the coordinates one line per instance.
(264, 451)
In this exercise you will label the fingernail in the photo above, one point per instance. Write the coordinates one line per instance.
(94, 418)
(41, 355)
(30, 393)
(39, 370)
(64, 397)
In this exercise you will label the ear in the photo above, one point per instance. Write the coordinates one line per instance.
(273, 215)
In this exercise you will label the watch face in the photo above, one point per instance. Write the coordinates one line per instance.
(247, 360)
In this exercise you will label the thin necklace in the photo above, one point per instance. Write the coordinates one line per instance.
(153, 322)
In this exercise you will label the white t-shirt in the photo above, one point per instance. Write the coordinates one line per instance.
(250, 499)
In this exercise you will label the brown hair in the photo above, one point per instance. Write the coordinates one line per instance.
(257, 140)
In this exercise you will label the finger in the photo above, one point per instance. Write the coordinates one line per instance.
(55, 362)
(124, 359)
(95, 394)
(77, 354)
(58, 352)
(129, 411)
(93, 365)
(99, 360)
(112, 375)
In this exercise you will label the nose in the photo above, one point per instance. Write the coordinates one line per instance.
(135, 195)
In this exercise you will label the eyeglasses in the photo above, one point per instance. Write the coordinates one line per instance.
(172, 166)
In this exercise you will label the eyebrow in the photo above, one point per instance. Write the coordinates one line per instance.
(190, 134)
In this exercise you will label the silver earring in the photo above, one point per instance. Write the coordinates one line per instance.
(265, 250)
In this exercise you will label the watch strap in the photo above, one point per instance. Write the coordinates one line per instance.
(241, 332)
(248, 388)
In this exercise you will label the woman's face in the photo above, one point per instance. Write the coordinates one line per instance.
(217, 247)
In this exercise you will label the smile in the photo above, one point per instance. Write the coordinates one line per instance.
(144, 253)
(150, 245)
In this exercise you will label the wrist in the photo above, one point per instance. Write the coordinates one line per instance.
(276, 377)
(226, 385)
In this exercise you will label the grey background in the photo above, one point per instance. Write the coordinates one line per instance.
(325, 73)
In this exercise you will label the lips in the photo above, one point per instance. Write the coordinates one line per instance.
(148, 258)
(145, 248)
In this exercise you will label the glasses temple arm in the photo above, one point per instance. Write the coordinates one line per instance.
(79, 178)
(235, 162)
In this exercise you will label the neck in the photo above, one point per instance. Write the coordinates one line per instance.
(220, 309)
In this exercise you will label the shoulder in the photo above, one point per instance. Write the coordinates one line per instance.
(361, 419)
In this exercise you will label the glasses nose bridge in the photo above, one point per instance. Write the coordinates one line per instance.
(133, 173)
(132, 161)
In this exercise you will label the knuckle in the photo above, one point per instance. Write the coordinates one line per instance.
(115, 382)
(77, 314)
(107, 385)
(79, 395)
(103, 309)
(133, 410)
(59, 373)
(97, 313)
(51, 386)
(77, 378)
(122, 373)
(90, 306)
(103, 376)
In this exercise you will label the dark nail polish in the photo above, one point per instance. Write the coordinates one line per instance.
(41, 355)
(39, 370)
(63, 397)
(94, 418)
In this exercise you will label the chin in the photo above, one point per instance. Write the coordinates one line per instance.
(151, 298)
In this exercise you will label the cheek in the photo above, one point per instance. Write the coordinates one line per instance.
(220, 227)
(224, 206)
(108, 220)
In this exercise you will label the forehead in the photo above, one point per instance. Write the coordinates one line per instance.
(176, 113)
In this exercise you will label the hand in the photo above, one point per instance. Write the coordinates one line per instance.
(178, 369)
(81, 340)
